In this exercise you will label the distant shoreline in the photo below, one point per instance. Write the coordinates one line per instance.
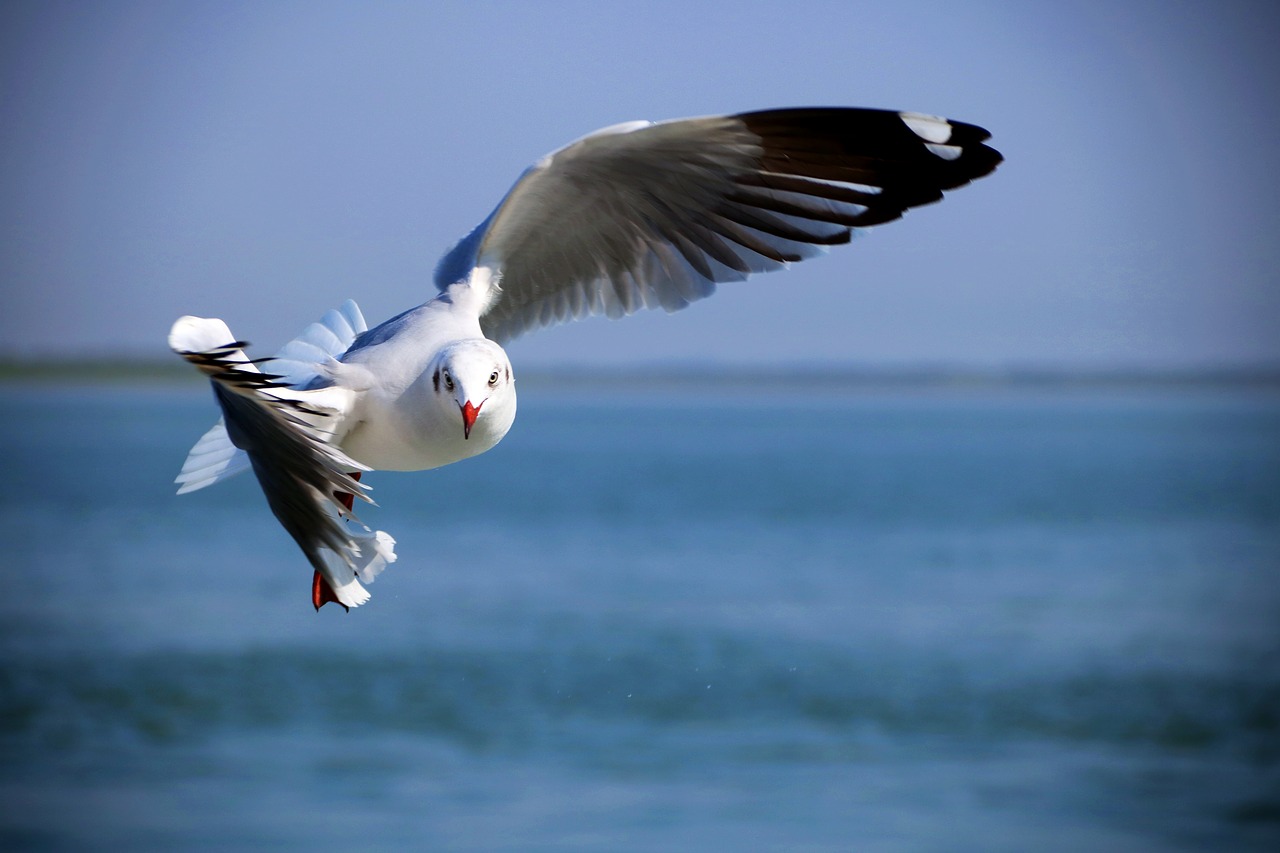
(723, 377)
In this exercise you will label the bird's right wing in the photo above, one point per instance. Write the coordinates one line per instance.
(287, 435)
(301, 362)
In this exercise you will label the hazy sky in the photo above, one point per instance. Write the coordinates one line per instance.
(263, 161)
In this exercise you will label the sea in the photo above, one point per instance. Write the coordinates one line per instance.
(686, 616)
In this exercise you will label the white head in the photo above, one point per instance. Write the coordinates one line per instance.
(472, 381)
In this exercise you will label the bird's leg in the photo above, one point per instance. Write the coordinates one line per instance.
(347, 499)
(321, 592)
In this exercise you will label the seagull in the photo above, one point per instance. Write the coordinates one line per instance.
(637, 215)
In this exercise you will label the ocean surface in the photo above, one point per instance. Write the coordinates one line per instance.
(694, 618)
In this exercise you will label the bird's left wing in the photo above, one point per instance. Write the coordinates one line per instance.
(646, 215)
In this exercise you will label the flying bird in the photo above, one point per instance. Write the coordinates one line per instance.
(638, 215)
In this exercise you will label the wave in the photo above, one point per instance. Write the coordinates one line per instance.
(566, 691)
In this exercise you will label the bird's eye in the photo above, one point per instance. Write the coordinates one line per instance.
(493, 379)
(448, 381)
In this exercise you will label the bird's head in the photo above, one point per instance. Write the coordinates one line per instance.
(473, 383)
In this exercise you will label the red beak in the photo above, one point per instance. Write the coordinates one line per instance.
(469, 413)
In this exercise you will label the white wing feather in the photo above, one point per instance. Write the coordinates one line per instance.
(213, 458)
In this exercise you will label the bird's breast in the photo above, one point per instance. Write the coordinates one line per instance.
(393, 438)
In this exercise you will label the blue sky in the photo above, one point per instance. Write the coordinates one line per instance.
(263, 161)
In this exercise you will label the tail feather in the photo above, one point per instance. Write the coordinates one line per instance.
(369, 553)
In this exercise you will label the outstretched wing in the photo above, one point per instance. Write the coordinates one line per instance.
(646, 214)
(286, 434)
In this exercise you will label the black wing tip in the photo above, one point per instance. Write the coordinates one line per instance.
(910, 159)
(851, 131)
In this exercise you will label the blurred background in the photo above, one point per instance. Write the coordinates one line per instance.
(263, 161)
(964, 537)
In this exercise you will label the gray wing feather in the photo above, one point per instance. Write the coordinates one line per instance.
(651, 215)
(298, 469)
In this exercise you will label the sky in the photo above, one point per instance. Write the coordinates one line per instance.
(263, 161)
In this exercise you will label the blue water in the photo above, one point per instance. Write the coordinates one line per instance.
(661, 620)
